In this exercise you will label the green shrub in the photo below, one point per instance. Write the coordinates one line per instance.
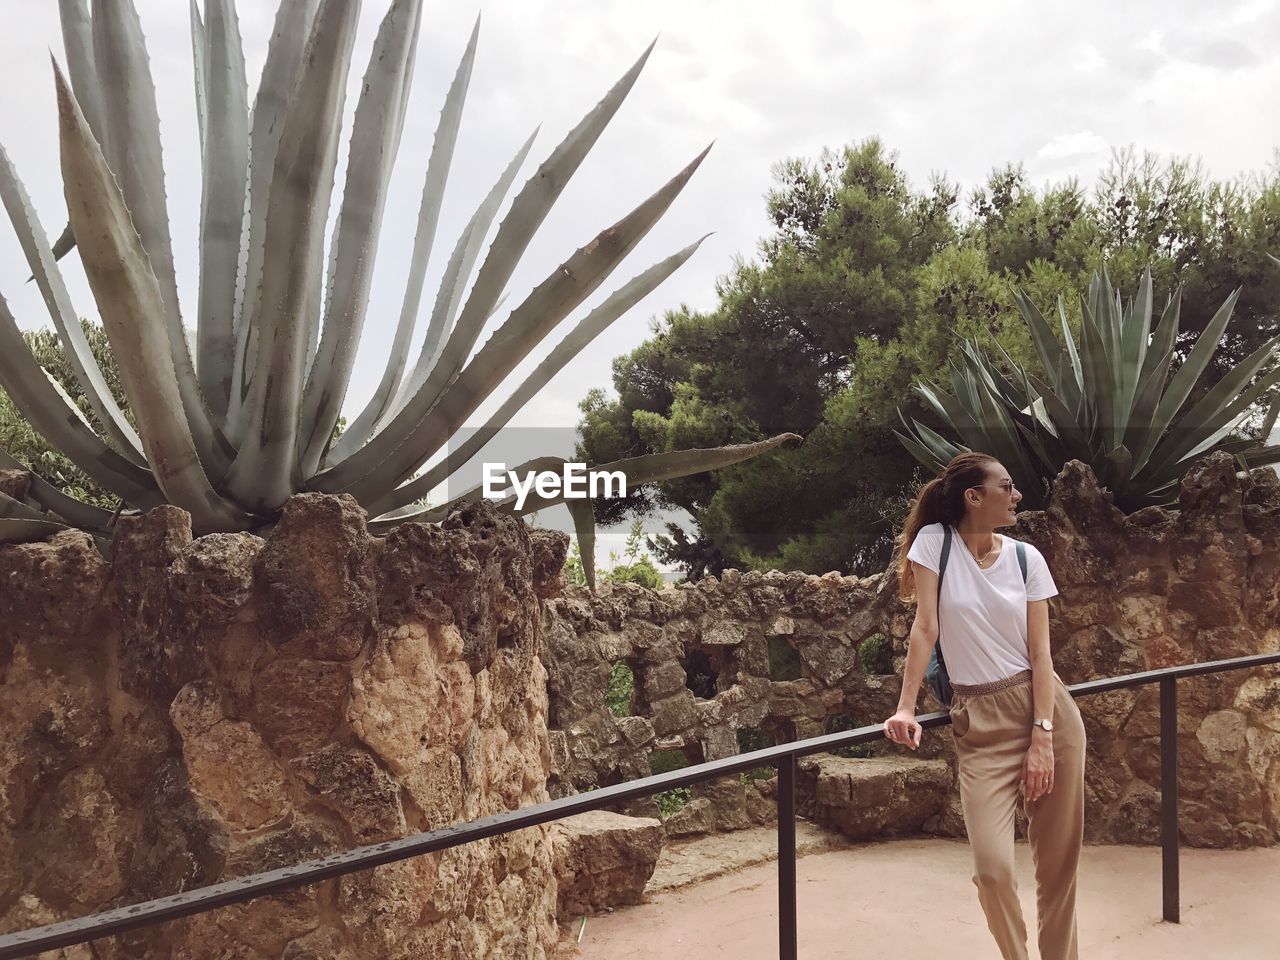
(841, 723)
(618, 696)
(875, 654)
(669, 801)
(641, 571)
(753, 738)
(784, 662)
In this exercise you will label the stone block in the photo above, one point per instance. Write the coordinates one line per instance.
(662, 680)
(361, 792)
(875, 798)
(603, 859)
(724, 633)
(719, 742)
(696, 817)
(637, 731)
(674, 714)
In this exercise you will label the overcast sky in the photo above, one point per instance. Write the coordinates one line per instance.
(956, 88)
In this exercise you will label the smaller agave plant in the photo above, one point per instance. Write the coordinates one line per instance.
(1110, 403)
(231, 430)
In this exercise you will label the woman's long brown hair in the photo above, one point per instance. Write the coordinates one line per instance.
(941, 500)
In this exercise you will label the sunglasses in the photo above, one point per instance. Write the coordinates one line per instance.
(1007, 486)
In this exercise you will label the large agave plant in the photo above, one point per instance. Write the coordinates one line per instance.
(1110, 403)
(230, 431)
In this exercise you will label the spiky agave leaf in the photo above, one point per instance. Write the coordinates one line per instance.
(225, 149)
(375, 140)
(130, 142)
(53, 500)
(587, 329)
(49, 279)
(527, 213)
(279, 79)
(649, 468)
(17, 529)
(1129, 426)
(262, 270)
(265, 471)
(40, 403)
(396, 387)
(132, 307)
(528, 325)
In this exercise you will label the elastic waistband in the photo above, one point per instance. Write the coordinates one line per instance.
(977, 689)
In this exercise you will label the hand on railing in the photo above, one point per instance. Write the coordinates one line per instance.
(903, 728)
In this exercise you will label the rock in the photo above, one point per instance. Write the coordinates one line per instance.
(675, 713)
(603, 860)
(662, 680)
(695, 817)
(724, 633)
(409, 696)
(87, 844)
(728, 798)
(322, 609)
(875, 798)
(1222, 734)
(434, 781)
(203, 709)
(352, 784)
(300, 702)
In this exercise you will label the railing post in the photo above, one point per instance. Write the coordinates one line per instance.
(1169, 795)
(787, 858)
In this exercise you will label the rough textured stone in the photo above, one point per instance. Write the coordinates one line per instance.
(325, 608)
(299, 703)
(603, 860)
(696, 817)
(353, 784)
(269, 708)
(874, 798)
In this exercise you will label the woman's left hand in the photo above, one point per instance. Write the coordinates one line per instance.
(1037, 767)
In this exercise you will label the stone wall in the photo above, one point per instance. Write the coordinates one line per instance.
(1157, 588)
(199, 710)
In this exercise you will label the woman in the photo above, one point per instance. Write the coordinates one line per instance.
(1017, 730)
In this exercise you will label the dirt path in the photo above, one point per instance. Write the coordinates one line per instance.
(914, 899)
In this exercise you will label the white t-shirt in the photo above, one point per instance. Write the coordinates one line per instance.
(982, 614)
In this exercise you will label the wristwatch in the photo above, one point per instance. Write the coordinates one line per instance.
(1047, 725)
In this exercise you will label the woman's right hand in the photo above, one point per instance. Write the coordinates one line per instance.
(902, 728)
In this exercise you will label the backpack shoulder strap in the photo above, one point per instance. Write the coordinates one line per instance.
(946, 552)
(1021, 550)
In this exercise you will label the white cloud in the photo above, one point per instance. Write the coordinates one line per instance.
(1065, 146)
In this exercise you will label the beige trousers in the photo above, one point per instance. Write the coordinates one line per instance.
(992, 734)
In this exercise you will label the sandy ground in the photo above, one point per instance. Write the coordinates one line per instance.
(914, 899)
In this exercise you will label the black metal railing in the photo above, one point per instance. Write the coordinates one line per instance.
(783, 757)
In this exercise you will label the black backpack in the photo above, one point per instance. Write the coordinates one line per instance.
(936, 673)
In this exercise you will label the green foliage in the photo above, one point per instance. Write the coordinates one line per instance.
(841, 723)
(621, 685)
(673, 800)
(749, 739)
(784, 661)
(573, 572)
(875, 654)
(639, 567)
(1110, 401)
(865, 284)
(22, 442)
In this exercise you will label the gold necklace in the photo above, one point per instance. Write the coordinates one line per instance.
(983, 559)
